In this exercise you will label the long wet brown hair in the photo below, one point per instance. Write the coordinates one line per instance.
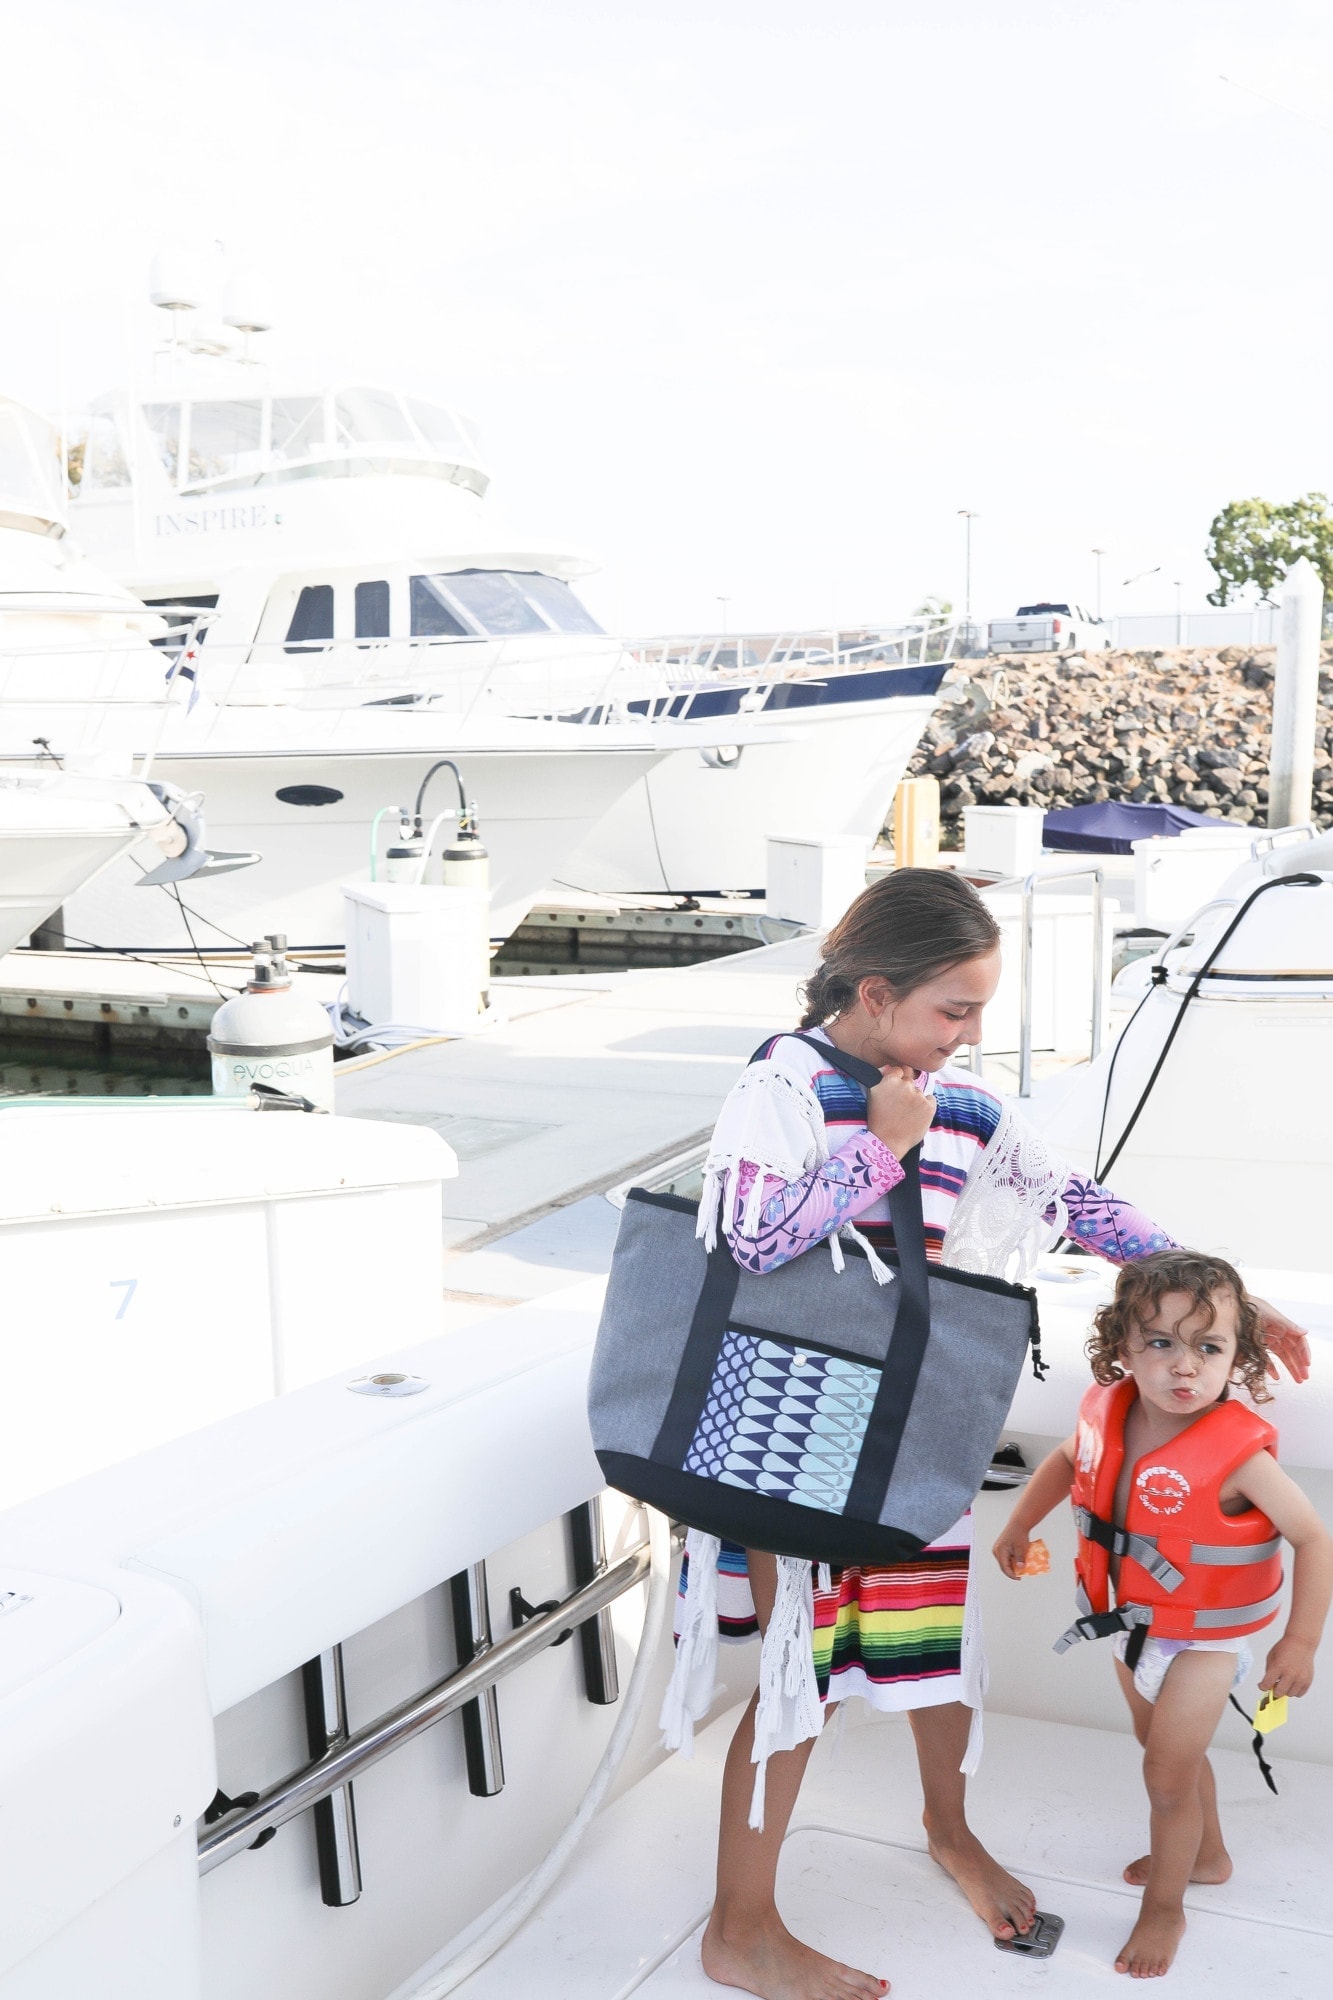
(908, 927)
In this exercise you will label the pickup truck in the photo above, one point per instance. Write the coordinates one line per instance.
(1049, 628)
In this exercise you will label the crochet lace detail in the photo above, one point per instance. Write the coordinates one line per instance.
(1012, 1207)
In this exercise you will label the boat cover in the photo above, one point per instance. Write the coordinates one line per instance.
(1111, 826)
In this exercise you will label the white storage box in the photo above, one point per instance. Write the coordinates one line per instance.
(417, 954)
(811, 881)
(1001, 840)
(164, 1266)
(1174, 877)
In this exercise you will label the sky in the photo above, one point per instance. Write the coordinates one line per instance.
(748, 298)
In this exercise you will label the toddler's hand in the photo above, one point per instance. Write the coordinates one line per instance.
(1012, 1550)
(1289, 1668)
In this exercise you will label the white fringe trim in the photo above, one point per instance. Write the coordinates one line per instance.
(690, 1690)
(789, 1710)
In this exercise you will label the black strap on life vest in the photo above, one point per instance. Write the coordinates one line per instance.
(1141, 1549)
(1132, 1618)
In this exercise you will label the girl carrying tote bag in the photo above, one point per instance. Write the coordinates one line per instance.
(711, 1399)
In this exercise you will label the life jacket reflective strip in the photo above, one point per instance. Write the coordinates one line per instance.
(1187, 1570)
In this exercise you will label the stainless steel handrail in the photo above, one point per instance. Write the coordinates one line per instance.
(1030, 885)
(302, 1789)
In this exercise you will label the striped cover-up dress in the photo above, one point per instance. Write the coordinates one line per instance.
(906, 1636)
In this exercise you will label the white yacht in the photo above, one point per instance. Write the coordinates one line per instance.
(340, 540)
(72, 807)
(296, 775)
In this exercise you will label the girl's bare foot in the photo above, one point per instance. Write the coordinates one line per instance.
(1213, 1866)
(766, 1959)
(998, 1898)
(1152, 1944)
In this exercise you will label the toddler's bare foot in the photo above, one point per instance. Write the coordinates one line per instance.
(998, 1898)
(766, 1959)
(1152, 1944)
(1212, 1865)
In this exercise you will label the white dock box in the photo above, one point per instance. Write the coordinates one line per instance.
(418, 954)
(811, 880)
(166, 1265)
(1002, 840)
(1174, 877)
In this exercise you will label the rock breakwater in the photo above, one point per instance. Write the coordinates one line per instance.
(1190, 726)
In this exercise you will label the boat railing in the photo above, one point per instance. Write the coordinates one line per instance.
(594, 679)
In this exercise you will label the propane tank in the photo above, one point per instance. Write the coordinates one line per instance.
(403, 860)
(465, 864)
(271, 1036)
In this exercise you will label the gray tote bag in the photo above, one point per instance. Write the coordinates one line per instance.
(807, 1412)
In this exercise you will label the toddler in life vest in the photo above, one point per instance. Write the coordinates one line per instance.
(1181, 1511)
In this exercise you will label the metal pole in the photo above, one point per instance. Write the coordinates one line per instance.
(597, 1639)
(1025, 990)
(1098, 955)
(1295, 696)
(325, 1696)
(481, 1718)
(1099, 553)
(296, 1794)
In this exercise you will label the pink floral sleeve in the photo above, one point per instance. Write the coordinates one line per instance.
(794, 1215)
(1101, 1222)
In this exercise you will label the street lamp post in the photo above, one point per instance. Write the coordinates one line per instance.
(968, 515)
(724, 602)
(1179, 621)
(1099, 553)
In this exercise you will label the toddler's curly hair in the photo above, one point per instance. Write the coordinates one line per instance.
(1139, 1291)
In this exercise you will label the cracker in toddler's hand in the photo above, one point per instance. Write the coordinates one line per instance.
(1038, 1560)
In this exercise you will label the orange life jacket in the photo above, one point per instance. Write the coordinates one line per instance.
(1187, 1570)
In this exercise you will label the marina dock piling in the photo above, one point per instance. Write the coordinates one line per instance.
(1295, 696)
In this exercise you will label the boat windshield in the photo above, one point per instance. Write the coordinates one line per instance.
(496, 602)
(30, 481)
(241, 440)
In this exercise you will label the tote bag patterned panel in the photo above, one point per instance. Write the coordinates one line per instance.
(785, 1421)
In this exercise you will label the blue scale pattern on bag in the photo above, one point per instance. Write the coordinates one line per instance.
(788, 1422)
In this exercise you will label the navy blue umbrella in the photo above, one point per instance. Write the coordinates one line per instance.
(1109, 828)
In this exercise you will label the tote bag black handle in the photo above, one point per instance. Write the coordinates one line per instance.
(911, 1328)
(911, 1332)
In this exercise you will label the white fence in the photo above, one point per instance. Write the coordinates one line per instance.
(1254, 627)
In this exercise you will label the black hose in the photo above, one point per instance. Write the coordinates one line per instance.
(1303, 881)
(444, 764)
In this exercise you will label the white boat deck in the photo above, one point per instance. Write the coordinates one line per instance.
(1062, 1806)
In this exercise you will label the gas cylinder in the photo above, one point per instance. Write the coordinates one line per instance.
(272, 1036)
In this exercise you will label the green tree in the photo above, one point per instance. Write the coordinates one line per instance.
(1254, 542)
(934, 607)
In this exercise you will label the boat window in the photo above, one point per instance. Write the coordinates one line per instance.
(432, 616)
(372, 610)
(440, 428)
(558, 601)
(103, 465)
(298, 426)
(312, 620)
(224, 440)
(164, 421)
(371, 416)
(494, 601)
